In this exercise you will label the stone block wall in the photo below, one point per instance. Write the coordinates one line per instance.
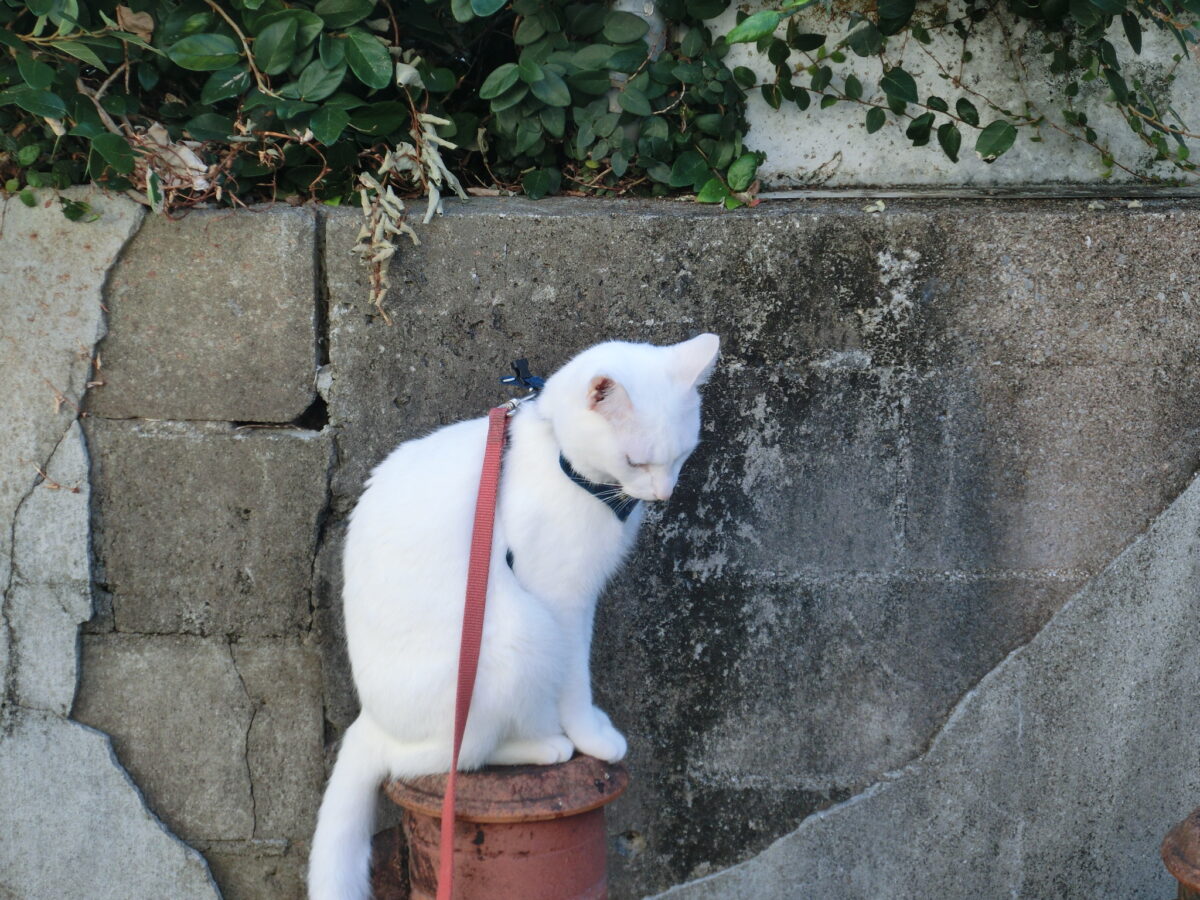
(931, 427)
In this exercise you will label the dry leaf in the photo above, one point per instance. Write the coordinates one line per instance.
(139, 23)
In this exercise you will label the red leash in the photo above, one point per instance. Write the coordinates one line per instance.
(472, 632)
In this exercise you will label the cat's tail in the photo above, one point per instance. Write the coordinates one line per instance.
(340, 860)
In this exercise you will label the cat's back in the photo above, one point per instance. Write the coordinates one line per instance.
(420, 499)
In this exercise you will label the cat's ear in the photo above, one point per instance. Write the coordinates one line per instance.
(694, 359)
(607, 397)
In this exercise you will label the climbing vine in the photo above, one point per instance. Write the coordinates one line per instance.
(179, 102)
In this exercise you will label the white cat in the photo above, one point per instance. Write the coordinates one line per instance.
(612, 427)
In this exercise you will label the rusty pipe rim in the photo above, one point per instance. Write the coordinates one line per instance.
(512, 794)
(1181, 852)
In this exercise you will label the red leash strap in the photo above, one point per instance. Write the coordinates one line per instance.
(472, 632)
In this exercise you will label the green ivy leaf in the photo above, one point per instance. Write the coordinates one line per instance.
(77, 210)
(204, 52)
(328, 123)
(634, 101)
(714, 191)
(919, 129)
(529, 70)
(706, 9)
(115, 150)
(308, 25)
(875, 119)
(693, 43)
(1109, 7)
(510, 98)
(995, 139)
(754, 27)
(593, 57)
(29, 154)
(807, 42)
(551, 90)
(209, 127)
(485, 8)
(368, 58)
(531, 29)
(741, 174)
(37, 75)
(499, 81)
(439, 80)
(624, 27)
(853, 88)
(40, 103)
(899, 85)
(529, 132)
(950, 139)
(332, 50)
(81, 51)
(1117, 84)
(318, 81)
(1133, 31)
(225, 83)
(275, 46)
(865, 41)
(896, 9)
(540, 182)
(554, 120)
(967, 112)
(338, 14)
(689, 169)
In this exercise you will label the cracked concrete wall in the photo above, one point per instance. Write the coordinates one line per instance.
(210, 471)
(74, 824)
(931, 427)
(1055, 777)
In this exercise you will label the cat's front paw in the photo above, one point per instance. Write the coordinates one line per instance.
(595, 736)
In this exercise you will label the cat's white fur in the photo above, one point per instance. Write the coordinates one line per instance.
(406, 570)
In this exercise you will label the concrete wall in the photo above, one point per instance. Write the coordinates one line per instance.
(932, 427)
(831, 146)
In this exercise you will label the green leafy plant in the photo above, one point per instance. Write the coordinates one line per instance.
(232, 101)
(1074, 34)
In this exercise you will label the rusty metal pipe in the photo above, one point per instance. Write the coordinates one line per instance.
(1181, 854)
(522, 833)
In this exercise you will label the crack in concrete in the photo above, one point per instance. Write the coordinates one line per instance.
(12, 660)
(246, 748)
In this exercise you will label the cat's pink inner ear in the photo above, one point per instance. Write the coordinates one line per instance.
(694, 359)
(607, 397)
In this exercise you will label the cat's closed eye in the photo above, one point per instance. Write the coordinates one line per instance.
(635, 465)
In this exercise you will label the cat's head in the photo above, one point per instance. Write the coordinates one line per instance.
(629, 414)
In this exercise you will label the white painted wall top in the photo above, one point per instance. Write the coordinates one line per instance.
(831, 147)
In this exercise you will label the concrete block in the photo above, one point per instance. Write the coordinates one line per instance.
(257, 870)
(179, 717)
(1065, 284)
(213, 316)
(74, 825)
(1045, 467)
(245, 503)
